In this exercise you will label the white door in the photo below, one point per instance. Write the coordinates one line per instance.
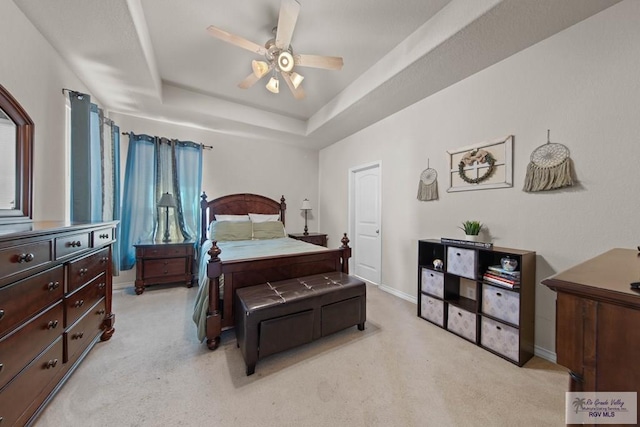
(364, 219)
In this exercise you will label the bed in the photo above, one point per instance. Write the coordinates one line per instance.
(215, 303)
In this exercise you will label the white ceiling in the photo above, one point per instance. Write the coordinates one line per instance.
(155, 59)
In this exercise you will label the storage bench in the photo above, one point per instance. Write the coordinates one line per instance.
(276, 316)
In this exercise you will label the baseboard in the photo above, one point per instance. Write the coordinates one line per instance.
(399, 294)
(545, 354)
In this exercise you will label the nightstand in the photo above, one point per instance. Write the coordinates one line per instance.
(170, 262)
(319, 239)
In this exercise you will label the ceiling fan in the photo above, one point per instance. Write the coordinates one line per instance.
(279, 56)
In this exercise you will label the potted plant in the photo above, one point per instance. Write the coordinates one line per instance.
(471, 229)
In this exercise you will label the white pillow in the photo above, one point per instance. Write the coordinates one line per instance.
(264, 217)
(234, 218)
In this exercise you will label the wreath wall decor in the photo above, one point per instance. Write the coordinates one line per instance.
(479, 156)
(482, 166)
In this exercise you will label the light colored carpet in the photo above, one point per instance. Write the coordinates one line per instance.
(400, 371)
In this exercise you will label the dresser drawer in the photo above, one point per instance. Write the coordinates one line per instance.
(461, 262)
(462, 322)
(71, 244)
(83, 332)
(164, 267)
(433, 282)
(85, 269)
(24, 257)
(21, 300)
(501, 303)
(77, 303)
(164, 251)
(432, 309)
(501, 338)
(102, 237)
(17, 396)
(24, 344)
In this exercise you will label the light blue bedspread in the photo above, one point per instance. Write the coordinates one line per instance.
(238, 250)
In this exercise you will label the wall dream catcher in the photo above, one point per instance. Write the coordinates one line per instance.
(550, 168)
(428, 185)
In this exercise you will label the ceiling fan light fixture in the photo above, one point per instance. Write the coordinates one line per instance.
(296, 79)
(285, 61)
(273, 86)
(260, 68)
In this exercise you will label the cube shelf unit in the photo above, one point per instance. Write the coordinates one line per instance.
(455, 297)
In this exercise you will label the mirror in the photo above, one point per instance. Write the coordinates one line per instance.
(16, 146)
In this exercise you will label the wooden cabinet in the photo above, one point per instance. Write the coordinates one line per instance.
(598, 322)
(319, 239)
(169, 262)
(55, 304)
(455, 296)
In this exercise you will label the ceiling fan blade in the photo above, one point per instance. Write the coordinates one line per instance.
(289, 10)
(236, 40)
(317, 61)
(297, 93)
(249, 81)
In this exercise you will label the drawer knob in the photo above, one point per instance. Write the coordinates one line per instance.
(1, 367)
(53, 285)
(459, 314)
(498, 328)
(77, 336)
(52, 324)
(26, 257)
(78, 303)
(104, 236)
(51, 364)
(498, 294)
(82, 271)
(101, 285)
(1, 314)
(101, 311)
(75, 244)
(104, 259)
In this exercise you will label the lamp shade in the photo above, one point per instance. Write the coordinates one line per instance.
(296, 79)
(273, 85)
(306, 205)
(260, 68)
(167, 201)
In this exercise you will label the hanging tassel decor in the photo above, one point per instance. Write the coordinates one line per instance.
(428, 185)
(550, 168)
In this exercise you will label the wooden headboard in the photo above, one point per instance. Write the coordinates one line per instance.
(237, 204)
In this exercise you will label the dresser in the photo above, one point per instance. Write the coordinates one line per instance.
(598, 322)
(55, 305)
(319, 239)
(167, 262)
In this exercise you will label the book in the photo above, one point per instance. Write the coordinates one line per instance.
(499, 269)
(500, 282)
(502, 279)
(467, 243)
(503, 275)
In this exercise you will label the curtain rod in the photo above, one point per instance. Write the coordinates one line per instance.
(208, 147)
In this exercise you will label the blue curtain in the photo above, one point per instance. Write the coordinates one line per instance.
(115, 152)
(156, 166)
(96, 159)
(139, 203)
(80, 157)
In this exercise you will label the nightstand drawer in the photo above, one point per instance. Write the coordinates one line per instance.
(165, 251)
(164, 267)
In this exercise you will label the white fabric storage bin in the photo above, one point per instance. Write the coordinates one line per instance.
(433, 282)
(432, 309)
(501, 303)
(500, 338)
(462, 322)
(461, 262)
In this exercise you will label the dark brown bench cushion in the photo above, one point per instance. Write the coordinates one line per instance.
(276, 316)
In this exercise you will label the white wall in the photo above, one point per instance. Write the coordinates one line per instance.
(582, 84)
(239, 165)
(35, 74)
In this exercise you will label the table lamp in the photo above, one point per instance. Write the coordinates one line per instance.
(166, 201)
(306, 207)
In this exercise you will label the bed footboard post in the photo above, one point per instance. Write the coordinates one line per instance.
(214, 321)
(346, 253)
